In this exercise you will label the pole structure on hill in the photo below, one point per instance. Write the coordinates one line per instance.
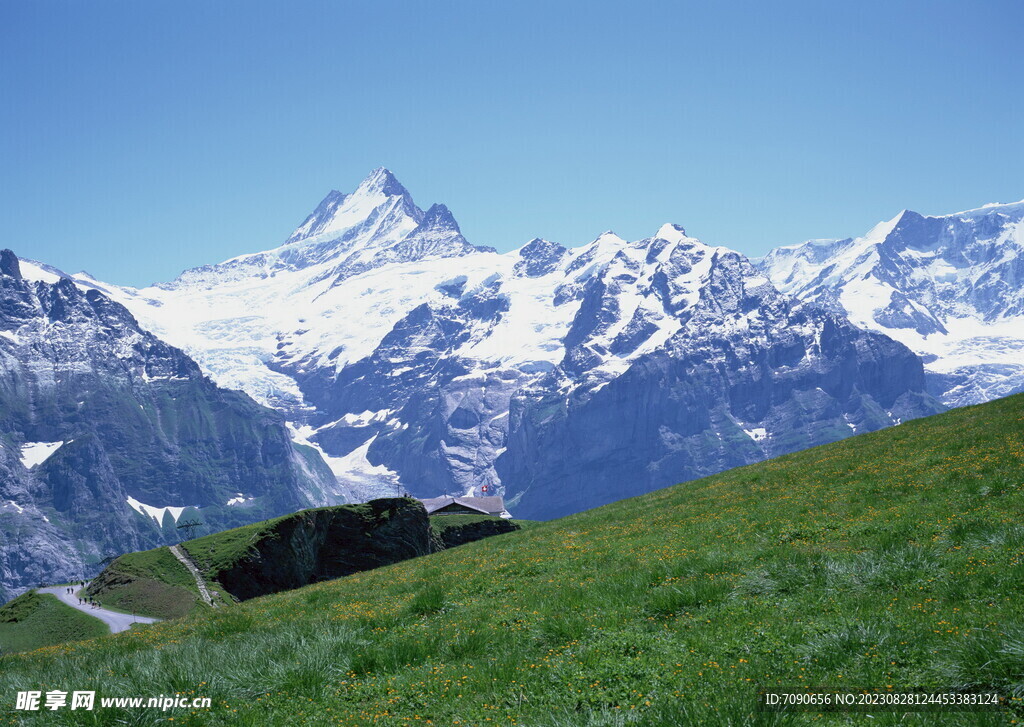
(189, 526)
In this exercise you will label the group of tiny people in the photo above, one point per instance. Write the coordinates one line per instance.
(83, 601)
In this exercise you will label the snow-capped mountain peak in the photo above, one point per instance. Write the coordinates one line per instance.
(946, 286)
(381, 181)
(672, 233)
(345, 235)
(539, 257)
(884, 228)
(436, 236)
(380, 205)
(439, 217)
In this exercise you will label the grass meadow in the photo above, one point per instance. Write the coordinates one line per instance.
(892, 560)
(33, 620)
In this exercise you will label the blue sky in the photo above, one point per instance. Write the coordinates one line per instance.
(141, 138)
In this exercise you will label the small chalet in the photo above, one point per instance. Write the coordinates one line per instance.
(448, 505)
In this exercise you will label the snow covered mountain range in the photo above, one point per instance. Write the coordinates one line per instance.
(561, 378)
(386, 353)
(949, 287)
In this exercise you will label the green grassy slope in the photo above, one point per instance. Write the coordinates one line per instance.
(151, 583)
(34, 620)
(219, 551)
(440, 523)
(155, 583)
(890, 559)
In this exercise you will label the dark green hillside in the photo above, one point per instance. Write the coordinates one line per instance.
(312, 545)
(33, 620)
(284, 553)
(893, 559)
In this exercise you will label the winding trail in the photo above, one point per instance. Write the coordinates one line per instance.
(116, 621)
(187, 562)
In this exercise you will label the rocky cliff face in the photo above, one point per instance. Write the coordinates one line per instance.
(108, 436)
(318, 545)
(718, 404)
(451, 531)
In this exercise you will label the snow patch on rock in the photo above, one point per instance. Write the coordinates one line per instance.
(35, 453)
(157, 513)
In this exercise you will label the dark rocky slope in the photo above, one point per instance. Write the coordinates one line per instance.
(451, 531)
(313, 545)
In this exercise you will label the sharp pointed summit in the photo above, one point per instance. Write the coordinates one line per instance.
(9, 264)
(380, 201)
(382, 181)
(439, 217)
(671, 232)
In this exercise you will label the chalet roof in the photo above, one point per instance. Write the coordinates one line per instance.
(494, 505)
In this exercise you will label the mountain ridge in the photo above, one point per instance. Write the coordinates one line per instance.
(947, 286)
(397, 348)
